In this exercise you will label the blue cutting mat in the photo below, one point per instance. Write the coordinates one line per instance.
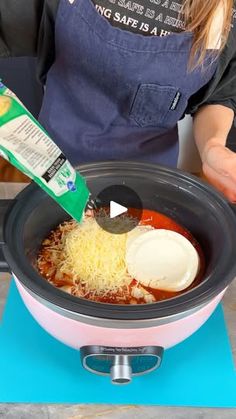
(36, 368)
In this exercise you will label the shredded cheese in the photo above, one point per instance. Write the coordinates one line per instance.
(95, 257)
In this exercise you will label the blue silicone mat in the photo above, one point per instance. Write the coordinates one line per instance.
(36, 368)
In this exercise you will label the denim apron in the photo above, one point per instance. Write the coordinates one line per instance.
(115, 95)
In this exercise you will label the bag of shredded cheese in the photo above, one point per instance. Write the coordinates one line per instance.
(26, 145)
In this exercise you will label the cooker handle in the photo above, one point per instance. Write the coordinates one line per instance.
(5, 205)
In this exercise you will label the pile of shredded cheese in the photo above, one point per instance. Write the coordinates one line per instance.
(95, 257)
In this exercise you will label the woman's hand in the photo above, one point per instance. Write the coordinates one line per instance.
(219, 168)
(212, 124)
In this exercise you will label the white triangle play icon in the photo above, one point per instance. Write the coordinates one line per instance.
(116, 209)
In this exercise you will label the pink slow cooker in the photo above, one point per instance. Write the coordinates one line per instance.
(122, 340)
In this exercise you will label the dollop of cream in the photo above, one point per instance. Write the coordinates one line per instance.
(161, 259)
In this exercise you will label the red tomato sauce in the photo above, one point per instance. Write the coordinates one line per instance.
(149, 217)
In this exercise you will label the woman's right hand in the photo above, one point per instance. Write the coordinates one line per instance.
(219, 168)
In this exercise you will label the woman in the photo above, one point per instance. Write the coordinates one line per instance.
(120, 74)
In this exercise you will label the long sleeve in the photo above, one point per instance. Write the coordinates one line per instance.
(19, 27)
(27, 28)
(24, 24)
(225, 91)
(221, 90)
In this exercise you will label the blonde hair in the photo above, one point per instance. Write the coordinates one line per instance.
(199, 17)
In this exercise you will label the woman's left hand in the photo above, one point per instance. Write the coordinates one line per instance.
(219, 168)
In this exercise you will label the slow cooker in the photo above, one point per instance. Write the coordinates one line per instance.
(122, 340)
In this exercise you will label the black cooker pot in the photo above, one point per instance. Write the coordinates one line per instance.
(26, 220)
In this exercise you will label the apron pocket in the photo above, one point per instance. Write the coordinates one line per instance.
(158, 106)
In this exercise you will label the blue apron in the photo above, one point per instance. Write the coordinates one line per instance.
(115, 95)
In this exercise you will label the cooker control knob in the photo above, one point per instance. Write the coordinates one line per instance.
(121, 371)
(121, 363)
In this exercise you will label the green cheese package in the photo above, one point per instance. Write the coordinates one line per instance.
(26, 145)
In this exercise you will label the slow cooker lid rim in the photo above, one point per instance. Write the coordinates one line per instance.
(132, 321)
(157, 170)
(29, 271)
(163, 309)
(165, 305)
(109, 312)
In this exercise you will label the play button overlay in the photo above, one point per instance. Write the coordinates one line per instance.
(116, 209)
(121, 202)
